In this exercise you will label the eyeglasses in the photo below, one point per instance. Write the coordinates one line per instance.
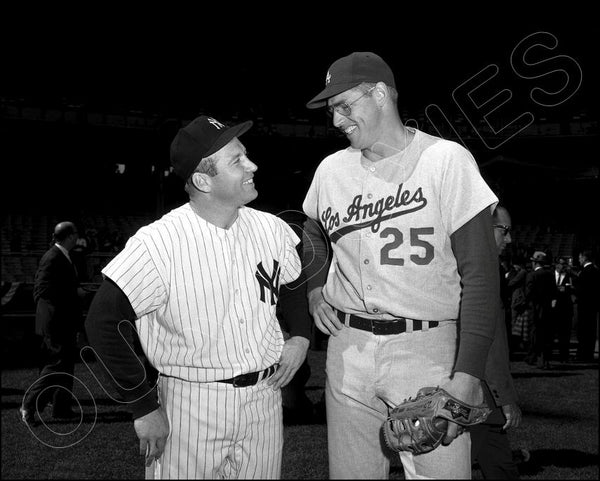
(505, 228)
(344, 108)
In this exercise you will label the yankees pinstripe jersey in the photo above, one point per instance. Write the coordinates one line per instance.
(390, 224)
(204, 296)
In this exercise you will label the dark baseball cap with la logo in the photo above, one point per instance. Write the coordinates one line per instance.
(202, 137)
(348, 72)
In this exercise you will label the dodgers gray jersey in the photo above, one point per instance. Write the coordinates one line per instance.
(205, 297)
(390, 223)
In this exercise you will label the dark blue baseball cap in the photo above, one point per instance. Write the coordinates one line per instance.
(202, 137)
(348, 72)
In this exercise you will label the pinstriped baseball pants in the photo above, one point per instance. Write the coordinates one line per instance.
(366, 374)
(218, 431)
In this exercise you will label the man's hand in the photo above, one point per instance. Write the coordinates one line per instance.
(325, 319)
(468, 389)
(153, 431)
(292, 357)
(512, 412)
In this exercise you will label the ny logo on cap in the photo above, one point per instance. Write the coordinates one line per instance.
(216, 123)
(328, 78)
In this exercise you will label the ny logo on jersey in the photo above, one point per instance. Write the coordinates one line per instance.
(268, 282)
(216, 123)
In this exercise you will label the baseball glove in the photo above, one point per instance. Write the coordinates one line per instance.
(419, 425)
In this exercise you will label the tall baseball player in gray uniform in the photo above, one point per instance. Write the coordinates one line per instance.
(201, 285)
(412, 293)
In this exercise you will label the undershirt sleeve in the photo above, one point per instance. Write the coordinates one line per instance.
(294, 307)
(476, 254)
(111, 332)
(316, 254)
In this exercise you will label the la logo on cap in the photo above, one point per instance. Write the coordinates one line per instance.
(215, 122)
(328, 78)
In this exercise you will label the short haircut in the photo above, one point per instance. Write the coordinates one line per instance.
(499, 208)
(365, 86)
(206, 166)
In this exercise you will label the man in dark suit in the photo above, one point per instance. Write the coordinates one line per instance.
(58, 318)
(540, 290)
(562, 307)
(588, 303)
(490, 446)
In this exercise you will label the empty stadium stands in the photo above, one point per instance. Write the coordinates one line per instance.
(25, 237)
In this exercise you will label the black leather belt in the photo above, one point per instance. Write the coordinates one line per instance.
(381, 327)
(250, 379)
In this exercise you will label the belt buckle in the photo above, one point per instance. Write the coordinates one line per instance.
(386, 327)
(379, 327)
(241, 381)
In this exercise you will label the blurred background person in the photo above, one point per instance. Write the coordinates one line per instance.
(521, 314)
(562, 308)
(58, 319)
(588, 302)
(79, 255)
(490, 446)
(540, 290)
(502, 227)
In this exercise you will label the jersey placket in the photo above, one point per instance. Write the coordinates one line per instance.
(237, 317)
(368, 261)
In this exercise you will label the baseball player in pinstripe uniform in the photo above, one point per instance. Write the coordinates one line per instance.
(412, 292)
(201, 285)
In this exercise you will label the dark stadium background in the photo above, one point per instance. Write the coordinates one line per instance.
(81, 99)
(86, 90)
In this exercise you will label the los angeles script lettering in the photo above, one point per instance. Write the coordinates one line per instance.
(358, 211)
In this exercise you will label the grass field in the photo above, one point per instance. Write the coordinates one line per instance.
(560, 430)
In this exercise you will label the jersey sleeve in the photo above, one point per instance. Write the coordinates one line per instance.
(292, 266)
(315, 245)
(136, 273)
(464, 193)
(310, 204)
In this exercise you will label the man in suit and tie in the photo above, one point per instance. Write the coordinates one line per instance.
(540, 290)
(562, 307)
(58, 318)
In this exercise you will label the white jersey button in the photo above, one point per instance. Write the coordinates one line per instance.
(369, 288)
(366, 261)
(369, 196)
(375, 310)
